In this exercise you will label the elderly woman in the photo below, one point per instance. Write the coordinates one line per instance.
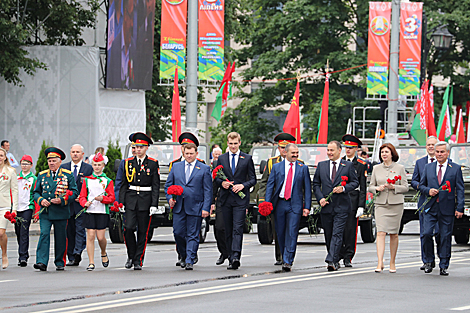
(96, 195)
(389, 183)
(8, 197)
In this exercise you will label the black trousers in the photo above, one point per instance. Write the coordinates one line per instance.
(22, 234)
(234, 218)
(219, 231)
(140, 220)
(348, 249)
(333, 226)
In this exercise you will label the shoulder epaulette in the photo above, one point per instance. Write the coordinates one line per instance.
(131, 158)
(200, 160)
(44, 172)
(66, 171)
(150, 158)
(361, 161)
(301, 161)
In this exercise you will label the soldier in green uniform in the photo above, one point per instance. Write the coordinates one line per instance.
(51, 194)
(282, 139)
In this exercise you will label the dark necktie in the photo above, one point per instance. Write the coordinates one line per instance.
(432, 160)
(233, 163)
(75, 172)
(439, 175)
(53, 175)
(139, 162)
(288, 190)
(333, 172)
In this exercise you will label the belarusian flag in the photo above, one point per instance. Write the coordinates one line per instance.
(227, 94)
(217, 111)
(444, 130)
(418, 129)
(292, 122)
(323, 121)
(460, 135)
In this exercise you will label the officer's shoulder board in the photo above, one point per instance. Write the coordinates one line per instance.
(301, 161)
(66, 171)
(361, 161)
(44, 172)
(152, 159)
(200, 160)
(130, 159)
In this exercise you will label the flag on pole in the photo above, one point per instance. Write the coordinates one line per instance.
(430, 125)
(422, 106)
(175, 110)
(458, 111)
(418, 128)
(292, 122)
(460, 135)
(444, 129)
(217, 111)
(227, 94)
(323, 121)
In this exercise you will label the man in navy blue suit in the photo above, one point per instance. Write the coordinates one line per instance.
(335, 211)
(240, 171)
(193, 205)
(417, 174)
(76, 234)
(443, 206)
(289, 190)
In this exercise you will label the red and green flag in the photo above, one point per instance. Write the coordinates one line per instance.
(444, 130)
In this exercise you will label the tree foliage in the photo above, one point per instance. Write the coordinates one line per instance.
(113, 153)
(41, 163)
(42, 22)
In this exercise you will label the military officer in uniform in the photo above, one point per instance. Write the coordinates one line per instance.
(282, 140)
(358, 199)
(51, 194)
(184, 139)
(139, 194)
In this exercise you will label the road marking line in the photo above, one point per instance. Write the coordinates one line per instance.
(8, 280)
(219, 289)
(462, 308)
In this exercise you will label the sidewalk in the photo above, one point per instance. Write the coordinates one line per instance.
(33, 230)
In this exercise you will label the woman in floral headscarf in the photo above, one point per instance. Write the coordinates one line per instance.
(96, 195)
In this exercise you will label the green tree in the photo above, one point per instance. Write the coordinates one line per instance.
(113, 153)
(44, 22)
(41, 163)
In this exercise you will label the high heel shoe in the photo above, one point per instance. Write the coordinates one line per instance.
(379, 270)
(4, 263)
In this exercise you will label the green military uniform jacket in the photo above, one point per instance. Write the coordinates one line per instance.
(47, 188)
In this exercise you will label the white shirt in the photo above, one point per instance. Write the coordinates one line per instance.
(429, 159)
(191, 168)
(24, 192)
(444, 166)
(72, 166)
(141, 160)
(95, 188)
(286, 168)
(237, 156)
(336, 165)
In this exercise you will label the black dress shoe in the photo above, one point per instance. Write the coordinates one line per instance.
(331, 267)
(443, 272)
(189, 267)
(137, 267)
(60, 268)
(427, 268)
(278, 263)
(40, 266)
(71, 263)
(433, 264)
(76, 259)
(128, 263)
(286, 267)
(347, 263)
(423, 267)
(183, 264)
(178, 263)
(235, 263)
(220, 260)
(23, 263)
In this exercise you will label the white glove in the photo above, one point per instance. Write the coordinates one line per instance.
(153, 210)
(360, 211)
(122, 210)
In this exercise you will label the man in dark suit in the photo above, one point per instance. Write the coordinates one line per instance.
(139, 194)
(443, 206)
(50, 193)
(219, 226)
(193, 205)
(238, 167)
(289, 190)
(335, 211)
(76, 234)
(358, 200)
(417, 175)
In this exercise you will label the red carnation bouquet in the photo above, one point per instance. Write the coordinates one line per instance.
(116, 212)
(445, 187)
(390, 181)
(65, 195)
(174, 191)
(218, 172)
(265, 209)
(14, 219)
(344, 181)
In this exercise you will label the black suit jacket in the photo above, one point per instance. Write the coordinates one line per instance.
(322, 186)
(358, 197)
(244, 174)
(148, 175)
(84, 170)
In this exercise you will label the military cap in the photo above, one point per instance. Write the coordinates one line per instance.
(187, 137)
(351, 141)
(53, 152)
(283, 139)
(141, 139)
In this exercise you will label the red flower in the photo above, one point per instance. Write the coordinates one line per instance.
(399, 177)
(175, 190)
(69, 193)
(265, 208)
(121, 205)
(396, 178)
(344, 178)
(13, 221)
(444, 187)
(216, 170)
(116, 204)
(389, 181)
(8, 215)
(343, 183)
(13, 215)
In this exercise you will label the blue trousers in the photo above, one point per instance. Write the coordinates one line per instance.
(421, 238)
(333, 226)
(287, 228)
(186, 230)
(22, 234)
(44, 243)
(446, 224)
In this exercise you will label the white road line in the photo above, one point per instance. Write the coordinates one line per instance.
(8, 280)
(219, 289)
(462, 308)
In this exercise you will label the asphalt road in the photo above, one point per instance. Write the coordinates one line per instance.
(257, 286)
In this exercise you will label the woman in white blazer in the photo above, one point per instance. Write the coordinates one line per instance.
(8, 200)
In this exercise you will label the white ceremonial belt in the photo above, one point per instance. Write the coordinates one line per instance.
(139, 188)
